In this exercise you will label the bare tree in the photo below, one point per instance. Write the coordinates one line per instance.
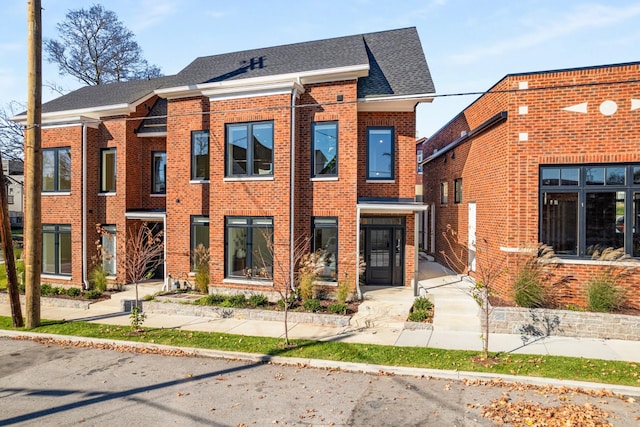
(11, 133)
(96, 48)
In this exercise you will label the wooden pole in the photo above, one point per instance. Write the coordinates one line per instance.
(33, 167)
(9, 259)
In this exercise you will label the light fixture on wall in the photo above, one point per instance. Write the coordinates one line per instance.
(453, 155)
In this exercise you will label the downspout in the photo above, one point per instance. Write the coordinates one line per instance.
(292, 174)
(358, 290)
(84, 206)
(416, 247)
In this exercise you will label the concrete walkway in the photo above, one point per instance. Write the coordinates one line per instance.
(380, 320)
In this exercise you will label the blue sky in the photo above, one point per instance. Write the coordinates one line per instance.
(469, 44)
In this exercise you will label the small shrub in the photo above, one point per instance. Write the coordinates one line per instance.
(201, 259)
(46, 290)
(422, 303)
(213, 299)
(603, 294)
(73, 292)
(338, 308)
(419, 315)
(98, 278)
(572, 307)
(59, 291)
(312, 305)
(147, 297)
(236, 301)
(292, 298)
(137, 317)
(344, 289)
(258, 300)
(92, 294)
(529, 290)
(307, 276)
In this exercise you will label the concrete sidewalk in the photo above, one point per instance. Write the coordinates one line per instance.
(381, 318)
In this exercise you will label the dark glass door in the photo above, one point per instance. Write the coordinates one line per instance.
(384, 255)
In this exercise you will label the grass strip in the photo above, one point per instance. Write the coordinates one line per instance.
(559, 367)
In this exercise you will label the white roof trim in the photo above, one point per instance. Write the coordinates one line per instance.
(393, 103)
(71, 121)
(251, 91)
(313, 76)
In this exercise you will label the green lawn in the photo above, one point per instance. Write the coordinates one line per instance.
(568, 368)
(17, 252)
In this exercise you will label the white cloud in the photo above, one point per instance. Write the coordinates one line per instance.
(583, 18)
(216, 14)
(152, 12)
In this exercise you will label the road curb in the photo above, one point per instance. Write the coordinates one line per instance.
(355, 367)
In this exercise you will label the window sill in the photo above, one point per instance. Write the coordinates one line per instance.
(56, 193)
(380, 181)
(248, 178)
(158, 195)
(199, 181)
(326, 283)
(240, 281)
(55, 276)
(324, 178)
(107, 194)
(629, 263)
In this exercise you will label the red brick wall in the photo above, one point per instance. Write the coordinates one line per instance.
(500, 171)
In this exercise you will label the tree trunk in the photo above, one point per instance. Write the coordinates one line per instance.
(7, 246)
(33, 166)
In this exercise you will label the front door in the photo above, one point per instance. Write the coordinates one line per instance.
(384, 255)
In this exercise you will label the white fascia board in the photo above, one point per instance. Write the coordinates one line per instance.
(60, 122)
(393, 103)
(93, 113)
(285, 87)
(305, 77)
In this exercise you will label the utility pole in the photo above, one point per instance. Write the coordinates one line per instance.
(33, 166)
(9, 259)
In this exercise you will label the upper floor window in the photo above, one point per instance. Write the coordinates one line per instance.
(419, 160)
(587, 208)
(324, 149)
(200, 155)
(444, 192)
(380, 153)
(56, 249)
(159, 172)
(56, 169)
(249, 149)
(108, 170)
(457, 190)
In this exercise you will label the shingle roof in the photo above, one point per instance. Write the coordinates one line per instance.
(397, 66)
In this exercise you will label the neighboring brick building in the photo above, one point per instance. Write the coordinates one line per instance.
(550, 157)
(310, 140)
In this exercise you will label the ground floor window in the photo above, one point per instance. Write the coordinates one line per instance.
(587, 208)
(199, 236)
(325, 245)
(108, 242)
(249, 247)
(56, 249)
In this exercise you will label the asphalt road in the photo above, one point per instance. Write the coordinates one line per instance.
(54, 385)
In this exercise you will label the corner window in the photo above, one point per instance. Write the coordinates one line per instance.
(249, 247)
(380, 153)
(159, 172)
(200, 155)
(324, 149)
(444, 193)
(56, 169)
(108, 242)
(56, 249)
(457, 190)
(108, 170)
(325, 246)
(584, 209)
(249, 149)
(199, 236)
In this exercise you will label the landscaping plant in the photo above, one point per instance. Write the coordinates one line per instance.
(536, 283)
(201, 259)
(604, 292)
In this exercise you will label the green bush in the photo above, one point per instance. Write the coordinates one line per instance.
(530, 291)
(258, 300)
(98, 278)
(59, 291)
(73, 292)
(603, 294)
(46, 290)
(236, 301)
(422, 303)
(312, 305)
(201, 259)
(419, 315)
(92, 294)
(213, 299)
(338, 308)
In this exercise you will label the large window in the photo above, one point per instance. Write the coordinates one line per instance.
(108, 170)
(324, 149)
(108, 242)
(249, 149)
(199, 236)
(584, 209)
(56, 169)
(159, 172)
(200, 155)
(56, 249)
(380, 153)
(249, 247)
(325, 245)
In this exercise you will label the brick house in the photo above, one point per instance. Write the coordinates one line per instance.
(312, 140)
(551, 157)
